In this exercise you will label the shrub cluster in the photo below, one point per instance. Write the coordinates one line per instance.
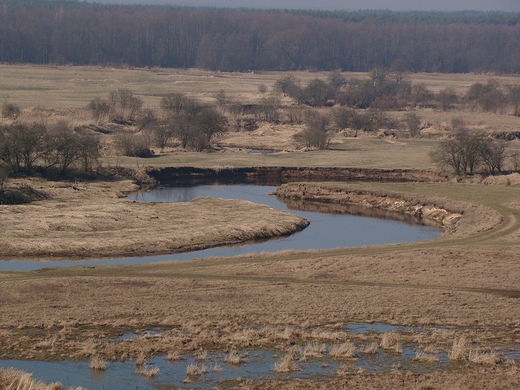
(59, 147)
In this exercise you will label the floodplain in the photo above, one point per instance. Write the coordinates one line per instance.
(463, 287)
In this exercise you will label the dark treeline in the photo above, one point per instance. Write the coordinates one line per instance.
(238, 40)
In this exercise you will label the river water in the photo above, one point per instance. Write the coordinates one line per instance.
(326, 230)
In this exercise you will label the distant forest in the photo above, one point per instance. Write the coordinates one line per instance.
(80, 33)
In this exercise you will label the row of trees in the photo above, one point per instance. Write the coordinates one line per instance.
(238, 40)
(23, 147)
(390, 90)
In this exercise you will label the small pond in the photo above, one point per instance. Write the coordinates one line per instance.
(330, 227)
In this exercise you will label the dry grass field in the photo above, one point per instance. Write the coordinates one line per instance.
(462, 285)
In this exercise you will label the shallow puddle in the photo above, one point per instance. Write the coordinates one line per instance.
(215, 372)
(380, 328)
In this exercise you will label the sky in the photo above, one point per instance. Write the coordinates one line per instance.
(350, 5)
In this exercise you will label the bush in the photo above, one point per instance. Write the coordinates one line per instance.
(133, 144)
(123, 104)
(10, 111)
(316, 133)
(100, 109)
(268, 110)
(412, 123)
(446, 98)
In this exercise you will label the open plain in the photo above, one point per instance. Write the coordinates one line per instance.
(463, 285)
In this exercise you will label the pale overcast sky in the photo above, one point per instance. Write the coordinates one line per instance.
(396, 5)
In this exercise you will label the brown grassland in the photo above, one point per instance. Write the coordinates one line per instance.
(465, 281)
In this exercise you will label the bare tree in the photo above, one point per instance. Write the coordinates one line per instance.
(21, 145)
(493, 154)
(317, 133)
(209, 124)
(399, 70)
(179, 102)
(412, 123)
(123, 104)
(4, 174)
(463, 153)
(269, 109)
(288, 85)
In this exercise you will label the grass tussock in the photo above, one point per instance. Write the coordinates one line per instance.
(390, 341)
(148, 371)
(458, 350)
(96, 363)
(233, 358)
(313, 350)
(480, 357)
(286, 364)
(422, 356)
(11, 379)
(345, 350)
(371, 348)
(173, 356)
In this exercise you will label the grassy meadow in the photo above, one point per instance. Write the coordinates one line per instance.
(463, 285)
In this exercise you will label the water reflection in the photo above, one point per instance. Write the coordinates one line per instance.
(352, 209)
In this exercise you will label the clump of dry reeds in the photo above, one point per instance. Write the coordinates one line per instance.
(141, 360)
(345, 350)
(11, 379)
(233, 358)
(145, 370)
(195, 370)
(216, 367)
(422, 356)
(202, 355)
(192, 370)
(480, 357)
(390, 341)
(96, 363)
(286, 364)
(173, 355)
(458, 349)
(313, 350)
(371, 348)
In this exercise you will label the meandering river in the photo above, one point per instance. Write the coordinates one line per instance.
(326, 230)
